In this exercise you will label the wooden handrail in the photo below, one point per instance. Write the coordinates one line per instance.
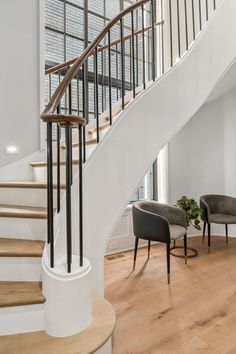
(67, 63)
(63, 119)
(62, 87)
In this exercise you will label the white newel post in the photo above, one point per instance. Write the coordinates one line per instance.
(68, 308)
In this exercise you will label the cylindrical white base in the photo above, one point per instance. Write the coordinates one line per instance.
(68, 307)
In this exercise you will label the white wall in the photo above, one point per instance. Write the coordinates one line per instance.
(202, 155)
(20, 77)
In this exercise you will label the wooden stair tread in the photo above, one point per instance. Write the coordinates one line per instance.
(11, 247)
(20, 293)
(44, 163)
(86, 342)
(19, 211)
(27, 185)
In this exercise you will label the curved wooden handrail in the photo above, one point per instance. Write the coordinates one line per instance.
(63, 118)
(61, 89)
(67, 63)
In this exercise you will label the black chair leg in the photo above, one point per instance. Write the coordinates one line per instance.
(226, 232)
(135, 251)
(204, 231)
(168, 262)
(149, 247)
(209, 237)
(185, 248)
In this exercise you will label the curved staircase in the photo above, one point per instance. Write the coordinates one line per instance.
(115, 149)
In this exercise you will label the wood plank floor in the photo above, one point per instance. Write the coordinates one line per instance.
(195, 314)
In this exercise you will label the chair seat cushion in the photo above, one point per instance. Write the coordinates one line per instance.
(177, 232)
(223, 218)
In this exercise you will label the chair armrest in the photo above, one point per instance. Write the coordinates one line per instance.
(206, 212)
(149, 226)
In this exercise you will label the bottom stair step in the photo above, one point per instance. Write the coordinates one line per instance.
(19, 293)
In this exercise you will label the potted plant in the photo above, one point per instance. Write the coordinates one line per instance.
(193, 212)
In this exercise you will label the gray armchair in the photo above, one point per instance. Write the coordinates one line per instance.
(217, 209)
(158, 222)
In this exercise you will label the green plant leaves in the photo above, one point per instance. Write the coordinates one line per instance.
(193, 212)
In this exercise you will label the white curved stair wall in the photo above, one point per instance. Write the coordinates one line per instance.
(146, 125)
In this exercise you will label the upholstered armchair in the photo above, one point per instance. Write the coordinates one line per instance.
(217, 209)
(158, 222)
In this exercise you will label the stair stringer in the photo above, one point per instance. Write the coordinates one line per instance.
(121, 159)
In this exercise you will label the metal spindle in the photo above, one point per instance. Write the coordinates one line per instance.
(133, 54)
(200, 14)
(58, 163)
(214, 4)
(109, 77)
(50, 238)
(162, 38)
(68, 196)
(186, 23)
(80, 197)
(117, 72)
(96, 92)
(122, 64)
(143, 40)
(149, 56)
(171, 35)
(153, 42)
(84, 78)
(137, 50)
(50, 86)
(193, 20)
(178, 25)
(207, 10)
(70, 131)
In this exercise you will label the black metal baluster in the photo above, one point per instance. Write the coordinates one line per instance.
(144, 59)
(58, 163)
(153, 42)
(137, 51)
(50, 238)
(122, 64)
(68, 197)
(214, 4)
(193, 20)
(178, 25)
(117, 72)
(70, 130)
(149, 57)
(171, 35)
(50, 86)
(162, 38)
(133, 54)
(102, 80)
(80, 198)
(96, 92)
(207, 10)
(85, 115)
(186, 23)
(200, 14)
(109, 77)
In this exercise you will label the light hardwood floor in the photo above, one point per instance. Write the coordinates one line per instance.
(195, 314)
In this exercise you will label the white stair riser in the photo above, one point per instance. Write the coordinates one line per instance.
(20, 269)
(30, 229)
(40, 173)
(26, 196)
(21, 319)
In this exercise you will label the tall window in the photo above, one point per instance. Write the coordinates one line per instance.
(70, 26)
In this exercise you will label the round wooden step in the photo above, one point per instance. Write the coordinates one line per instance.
(86, 342)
